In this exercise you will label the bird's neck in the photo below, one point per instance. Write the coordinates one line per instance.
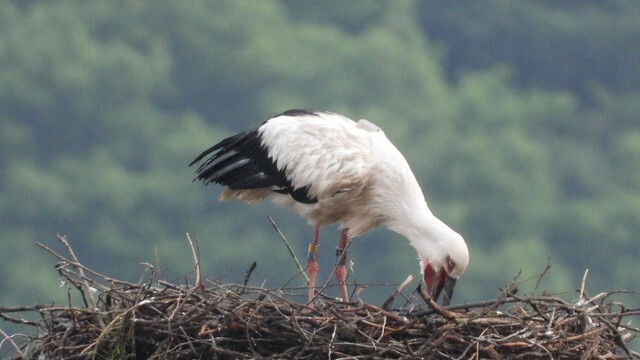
(412, 221)
(425, 233)
(410, 213)
(412, 218)
(401, 200)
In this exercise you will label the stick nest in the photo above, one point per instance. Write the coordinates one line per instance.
(159, 320)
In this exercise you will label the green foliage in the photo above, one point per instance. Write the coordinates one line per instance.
(103, 104)
(555, 44)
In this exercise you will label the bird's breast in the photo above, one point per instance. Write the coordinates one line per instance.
(351, 208)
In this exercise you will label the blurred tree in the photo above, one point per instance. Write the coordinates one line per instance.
(567, 45)
(104, 103)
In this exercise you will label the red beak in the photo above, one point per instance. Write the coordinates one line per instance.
(438, 280)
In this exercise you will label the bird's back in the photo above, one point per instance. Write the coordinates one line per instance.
(300, 153)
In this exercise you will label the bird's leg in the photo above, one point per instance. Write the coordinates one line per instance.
(341, 269)
(312, 265)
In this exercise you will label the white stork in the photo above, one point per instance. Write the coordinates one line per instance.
(329, 169)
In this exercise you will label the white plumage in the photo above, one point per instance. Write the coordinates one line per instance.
(329, 169)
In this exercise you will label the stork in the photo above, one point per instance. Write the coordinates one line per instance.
(330, 169)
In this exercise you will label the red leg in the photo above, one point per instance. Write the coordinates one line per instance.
(341, 269)
(312, 265)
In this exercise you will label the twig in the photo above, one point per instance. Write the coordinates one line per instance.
(91, 271)
(544, 272)
(291, 252)
(76, 263)
(247, 276)
(387, 304)
(195, 252)
(15, 346)
(582, 285)
(449, 315)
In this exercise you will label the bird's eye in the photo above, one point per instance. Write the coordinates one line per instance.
(451, 264)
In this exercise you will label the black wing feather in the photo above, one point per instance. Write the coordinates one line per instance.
(242, 162)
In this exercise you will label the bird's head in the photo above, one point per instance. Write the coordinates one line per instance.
(443, 259)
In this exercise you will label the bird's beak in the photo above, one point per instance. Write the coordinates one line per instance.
(436, 281)
(449, 284)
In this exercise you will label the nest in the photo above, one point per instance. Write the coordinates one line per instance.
(155, 319)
